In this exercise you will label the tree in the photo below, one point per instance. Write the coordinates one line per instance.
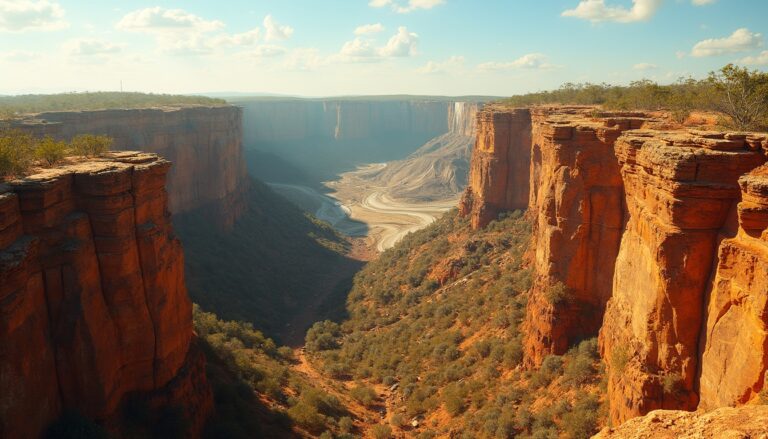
(51, 151)
(742, 95)
(16, 152)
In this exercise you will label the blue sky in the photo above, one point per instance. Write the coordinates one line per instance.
(342, 47)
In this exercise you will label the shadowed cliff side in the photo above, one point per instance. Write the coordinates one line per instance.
(93, 300)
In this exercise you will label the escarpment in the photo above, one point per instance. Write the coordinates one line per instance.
(93, 301)
(204, 143)
(644, 232)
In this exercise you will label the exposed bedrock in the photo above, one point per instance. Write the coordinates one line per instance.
(680, 188)
(93, 304)
(204, 143)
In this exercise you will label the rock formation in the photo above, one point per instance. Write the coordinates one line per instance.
(576, 204)
(679, 189)
(742, 422)
(499, 170)
(735, 335)
(204, 143)
(637, 235)
(92, 296)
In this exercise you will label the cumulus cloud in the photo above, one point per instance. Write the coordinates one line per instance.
(597, 11)
(702, 2)
(276, 32)
(645, 66)
(533, 61)
(402, 44)
(358, 48)
(88, 47)
(758, 60)
(451, 64)
(158, 19)
(741, 40)
(411, 6)
(303, 59)
(369, 29)
(24, 15)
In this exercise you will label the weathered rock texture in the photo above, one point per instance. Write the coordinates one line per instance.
(723, 423)
(204, 143)
(735, 335)
(498, 176)
(93, 304)
(679, 189)
(576, 204)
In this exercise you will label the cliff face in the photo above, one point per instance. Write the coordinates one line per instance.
(576, 203)
(679, 190)
(498, 176)
(637, 235)
(735, 334)
(92, 277)
(204, 143)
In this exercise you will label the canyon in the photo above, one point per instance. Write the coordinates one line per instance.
(92, 276)
(645, 232)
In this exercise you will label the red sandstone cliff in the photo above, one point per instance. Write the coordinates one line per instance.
(92, 296)
(498, 176)
(204, 143)
(637, 234)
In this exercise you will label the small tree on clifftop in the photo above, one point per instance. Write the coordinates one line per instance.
(742, 95)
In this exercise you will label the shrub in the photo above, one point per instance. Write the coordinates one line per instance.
(581, 421)
(323, 336)
(619, 359)
(671, 383)
(16, 152)
(453, 398)
(742, 95)
(364, 395)
(556, 293)
(51, 151)
(381, 431)
(90, 145)
(346, 424)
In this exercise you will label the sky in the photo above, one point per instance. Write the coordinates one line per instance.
(369, 47)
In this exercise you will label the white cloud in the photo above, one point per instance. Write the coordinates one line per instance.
(369, 29)
(702, 2)
(534, 61)
(452, 64)
(402, 44)
(23, 15)
(759, 60)
(358, 48)
(87, 47)
(303, 59)
(275, 31)
(247, 38)
(741, 40)
(597, 11)
(411, 6)
(645, 66)
(157, 19)
(18, 56)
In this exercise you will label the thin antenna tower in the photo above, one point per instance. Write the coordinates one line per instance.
(121, 86)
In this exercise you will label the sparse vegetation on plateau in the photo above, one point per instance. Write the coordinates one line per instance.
(10, 106)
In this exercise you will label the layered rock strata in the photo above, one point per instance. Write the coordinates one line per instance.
(204, 143)
(575, 202)
(93, 304)
(499, 169)
(679, 189)
(734, 340)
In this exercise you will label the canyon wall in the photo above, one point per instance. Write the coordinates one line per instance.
(93, 302)
(648, 233)
(204, 143)
(498, 177)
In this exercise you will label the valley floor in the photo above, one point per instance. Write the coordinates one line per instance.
(359, 208)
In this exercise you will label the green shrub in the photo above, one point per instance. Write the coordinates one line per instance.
(557, 293)
(51, 151)
(346, 425)
(581, 421)
(671, 383)
(323, 336)
(90, 145)
(364, 395)
(16, 152)
(381, 431)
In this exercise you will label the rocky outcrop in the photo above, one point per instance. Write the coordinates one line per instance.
(92, 295)
(742, 422)
(499, 170)
(679, 189)
(204, 143)
(734, 340)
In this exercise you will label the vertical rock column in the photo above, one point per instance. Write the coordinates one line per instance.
(576, 207)
(679, 188)
(735, 336)
(498, 176)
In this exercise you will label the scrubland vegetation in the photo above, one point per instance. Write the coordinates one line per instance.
(20, 151)
(740, 94)
(436, 321)
(11, 106)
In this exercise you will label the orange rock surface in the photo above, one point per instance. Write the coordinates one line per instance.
(92, 294)
(679, 187)
(498, 176)
(576, 205)
(204, 143)
(735, 338)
